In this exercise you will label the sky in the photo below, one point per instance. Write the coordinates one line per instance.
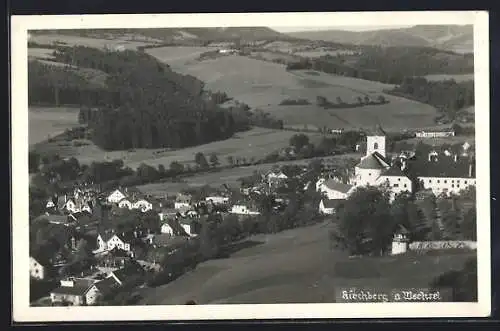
(348, 28)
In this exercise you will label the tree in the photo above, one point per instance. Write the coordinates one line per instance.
(214, 160)
(468, 227)
(230, 160)
(367, 99)
(161, 170)
(339, 100)
(449, 219)
(366, 224)
(381, 99)
(201, 160)
(209, 247)
(298, 141)
(463, 283)
(176, 168)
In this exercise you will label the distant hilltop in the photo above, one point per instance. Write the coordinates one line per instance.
(456, 38)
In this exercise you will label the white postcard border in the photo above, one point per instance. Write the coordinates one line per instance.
(22, 312)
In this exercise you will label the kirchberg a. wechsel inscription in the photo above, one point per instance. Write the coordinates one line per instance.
(360, 295)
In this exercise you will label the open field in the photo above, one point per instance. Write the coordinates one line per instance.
(177, 56)
(40, 53)
(322, 52)
(457, 78)
(265, 85)
(471, 139)
(226, 176)
(67, 40)
(295, 266)
(49, 122)
(255, 143)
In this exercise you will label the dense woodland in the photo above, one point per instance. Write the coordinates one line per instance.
(390, 65)
(447, 96)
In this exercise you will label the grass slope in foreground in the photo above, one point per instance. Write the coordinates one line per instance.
(296, 266)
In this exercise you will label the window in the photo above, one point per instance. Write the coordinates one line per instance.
(430, 180)
(439, 181)
(445, 181)
(452, 185)
(453, 181)
(399, 179)
(465, 182)
(396, 185)
(458, 181)
(405, 185)
(375, 146)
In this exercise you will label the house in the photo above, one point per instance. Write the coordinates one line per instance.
(445, 176)
(114, 259)
(39, 268)
(329, 206)
(183, 201)
(129, 275)
(143, 205)
(242, 209)
(50, 204)
(217, 200)
(191, 227)
(106, 286)
(81, 218)
(166, 229)
(125, 203)
(75, 292)
(116, 196)
(435, 133)
(334, 189)
(395, 180)
(400, 240)
(276, 178)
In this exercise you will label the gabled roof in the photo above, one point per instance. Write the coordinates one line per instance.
(444, 168)
(80, 287)
(107, 284)
(106, 236)
(184, 198)
(373, 161)
(132, 269)
(337, 186)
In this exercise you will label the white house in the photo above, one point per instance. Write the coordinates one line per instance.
(334, 189)
(243, 210)
(76, 292)
(37, 269)
(119, 242)
(108, 241)
(182, 201)
(435, 133)
(116, 196)
(125, 203)
(396, 181)
(143, 205)
(276, 177)
(50, 204)
(217, 200)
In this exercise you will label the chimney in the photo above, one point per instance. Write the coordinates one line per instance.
(470, 169)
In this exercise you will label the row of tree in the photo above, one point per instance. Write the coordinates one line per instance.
(447, 96)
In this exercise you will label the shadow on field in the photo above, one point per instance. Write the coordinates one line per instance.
(230, 249)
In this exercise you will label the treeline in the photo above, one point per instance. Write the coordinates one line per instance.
(391, 64)
(447, 96)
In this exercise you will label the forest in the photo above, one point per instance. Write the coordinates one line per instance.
(390, 65)
(144, 104)
(447, 96)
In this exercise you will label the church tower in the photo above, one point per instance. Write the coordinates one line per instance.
(375, 142)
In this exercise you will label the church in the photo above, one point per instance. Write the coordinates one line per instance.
(436, 173)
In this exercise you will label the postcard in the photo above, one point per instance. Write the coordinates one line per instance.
(250, 166)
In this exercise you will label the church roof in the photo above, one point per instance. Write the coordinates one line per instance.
(394, 172)
(373, 161)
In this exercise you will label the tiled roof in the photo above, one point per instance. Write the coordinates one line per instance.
(337, 186)
(372, 161)
(74, 290)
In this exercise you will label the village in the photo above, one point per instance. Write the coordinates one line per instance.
(111, 242)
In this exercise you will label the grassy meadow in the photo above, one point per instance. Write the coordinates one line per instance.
(46, 122)
(295, 266)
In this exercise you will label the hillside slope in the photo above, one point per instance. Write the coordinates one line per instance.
(179, 34)
(456, 38)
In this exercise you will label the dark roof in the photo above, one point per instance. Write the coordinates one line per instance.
(394, 171)
(106, 235)
(130, 270)
(81, 286)
(107, 284)
(332, 203)
(183, 198)
(444, 167)
(373, 161)
(162, 239)
(53, 218)
(117, 252)
(401, 229)
(82, 216)
(337, 186)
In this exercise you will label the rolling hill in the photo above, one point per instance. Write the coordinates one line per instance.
(178, 34)
(455, 38)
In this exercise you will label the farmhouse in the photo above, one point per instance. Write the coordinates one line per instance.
(39, 267)
(243, 209)
(217, 200)
(75, 292)
(275, 178)
(129, 275)
(334, 189)
(435, 133)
